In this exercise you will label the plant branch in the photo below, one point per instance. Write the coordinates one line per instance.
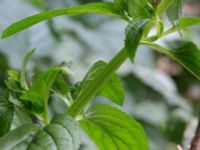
(91, 90)
(157, 47)
(167, 32)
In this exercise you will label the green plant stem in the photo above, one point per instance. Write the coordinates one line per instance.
(157, 47)
(91, 90)
(171, 30)
(45, 115)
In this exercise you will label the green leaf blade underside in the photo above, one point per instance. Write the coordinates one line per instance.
(61, 134)
(98, 8)
(109, 127)
(188, 55)
(133, 35)
(18, 135)
(112, 89)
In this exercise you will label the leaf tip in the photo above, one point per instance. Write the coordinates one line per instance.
(4, 35)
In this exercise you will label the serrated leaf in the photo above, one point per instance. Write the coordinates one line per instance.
(109, 127)
(6, 113)
(188, 55)
(99, 8)
(139, 9)
(18, 135)
(61, 133)
(38, 93)
(133, 35)
(112, 89)
(23, 71)
(175, 11)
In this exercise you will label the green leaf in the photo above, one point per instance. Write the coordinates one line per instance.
(61, 134)
(18, 135)
(38, 93)
(121, 5)
(21, 116)
(112, 89)
(6, 116)
(188, 55)
(61, 88)
(21, 146)
(6, 113)
(23, 71)
(139, 9)
(163, 5)
(13, 81)
(13, 85)
(175, 11)
(109, 127)
(183, 23)
(13, 74)
(98, 8)
(133, 35)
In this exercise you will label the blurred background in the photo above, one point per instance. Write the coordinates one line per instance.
(160, 94)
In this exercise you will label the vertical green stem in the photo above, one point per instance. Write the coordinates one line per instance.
(45, 115)
(90, 91)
